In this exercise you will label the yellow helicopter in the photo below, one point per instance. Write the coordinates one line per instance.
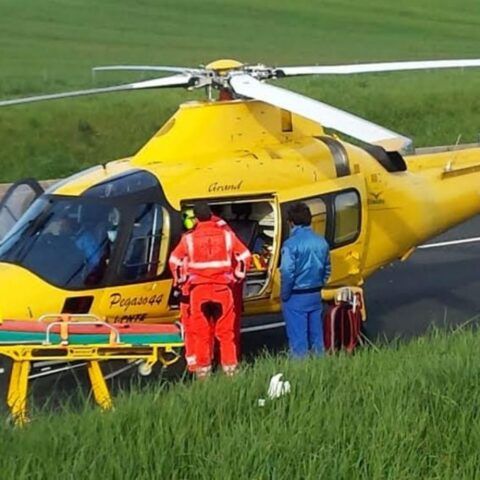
(99, 241)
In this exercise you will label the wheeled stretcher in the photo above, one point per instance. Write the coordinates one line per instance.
(81, 338)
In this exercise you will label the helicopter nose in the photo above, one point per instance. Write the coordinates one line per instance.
(25, 296)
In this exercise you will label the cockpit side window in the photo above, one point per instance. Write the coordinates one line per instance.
(65, 240)
(117, 232)
(143, 258)
(35, 210)
(318, 209)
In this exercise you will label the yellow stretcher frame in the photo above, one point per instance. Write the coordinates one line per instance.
(23, 355)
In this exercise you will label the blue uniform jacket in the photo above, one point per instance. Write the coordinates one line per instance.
(305, 262)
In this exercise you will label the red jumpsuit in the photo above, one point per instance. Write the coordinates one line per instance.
(208, 254)
(237, 289)
(180, 281)
(188, 335)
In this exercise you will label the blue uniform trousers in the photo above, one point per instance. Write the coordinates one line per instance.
(304, 323)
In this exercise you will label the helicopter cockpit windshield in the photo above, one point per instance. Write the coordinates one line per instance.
(115, 233)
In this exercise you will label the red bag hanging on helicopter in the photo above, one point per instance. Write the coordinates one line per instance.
(342, 323)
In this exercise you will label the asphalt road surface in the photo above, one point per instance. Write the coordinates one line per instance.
(435, 286)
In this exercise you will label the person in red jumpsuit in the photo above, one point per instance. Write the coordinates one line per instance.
(210, 256)
(179, 274)
(182, 291)
(237, 288)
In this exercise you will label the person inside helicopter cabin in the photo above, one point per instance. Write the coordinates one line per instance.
(305, 268)
(91, 240)
(90, 248)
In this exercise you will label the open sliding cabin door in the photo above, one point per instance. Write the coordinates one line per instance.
(256, 222)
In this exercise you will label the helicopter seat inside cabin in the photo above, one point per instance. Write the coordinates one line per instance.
(246, 230)
(244, 227)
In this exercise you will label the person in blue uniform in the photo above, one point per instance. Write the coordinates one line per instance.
(305, 268)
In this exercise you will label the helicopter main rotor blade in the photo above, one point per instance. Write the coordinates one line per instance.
(320, 112)
(165, 82)
(146, 68)
(375, 67)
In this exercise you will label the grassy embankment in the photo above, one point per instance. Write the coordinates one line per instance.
(405, 412)
(50, 46)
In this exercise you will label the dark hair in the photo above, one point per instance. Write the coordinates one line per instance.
(202, 211)
(300, 214)
(216, 209)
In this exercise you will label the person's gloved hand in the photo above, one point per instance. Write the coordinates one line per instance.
(175, 295)
(176, 292)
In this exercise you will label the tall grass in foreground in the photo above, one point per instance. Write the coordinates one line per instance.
(411, 411)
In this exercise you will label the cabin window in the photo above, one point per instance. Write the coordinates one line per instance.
(145, 253)
(318, 208)
(347, 217)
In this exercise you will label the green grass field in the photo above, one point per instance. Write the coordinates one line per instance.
(400, 413)
(406, 412)
(51, 46)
